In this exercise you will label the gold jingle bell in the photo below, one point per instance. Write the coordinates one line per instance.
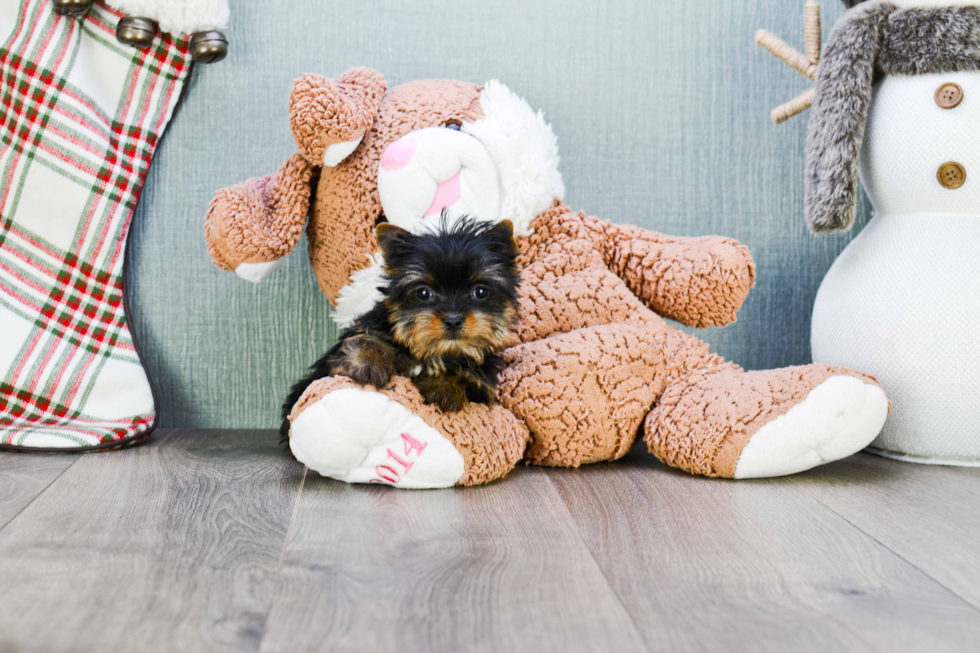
(208, 47)
(73, 8)
(137, 32)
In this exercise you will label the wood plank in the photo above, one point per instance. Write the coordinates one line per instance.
(929, 515)
(715, 565)
(494, 568)
(24, 476)
(169, 546)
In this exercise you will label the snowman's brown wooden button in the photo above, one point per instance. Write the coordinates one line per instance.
(949, 95)
(951, 175)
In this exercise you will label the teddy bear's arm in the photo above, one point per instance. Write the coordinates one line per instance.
(699, 282)
(251, 226)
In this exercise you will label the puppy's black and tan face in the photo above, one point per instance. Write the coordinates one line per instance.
(452, 292)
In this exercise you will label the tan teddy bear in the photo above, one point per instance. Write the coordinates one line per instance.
(595, 364)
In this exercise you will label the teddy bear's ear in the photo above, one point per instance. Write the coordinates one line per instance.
(329, 117)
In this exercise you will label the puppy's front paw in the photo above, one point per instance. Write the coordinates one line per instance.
(367, 361)
(378, 376)
(446, 393)
(481, 393)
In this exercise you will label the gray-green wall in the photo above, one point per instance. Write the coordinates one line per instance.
(661, 111)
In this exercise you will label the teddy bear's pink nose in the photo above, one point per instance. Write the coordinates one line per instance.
(398, 154)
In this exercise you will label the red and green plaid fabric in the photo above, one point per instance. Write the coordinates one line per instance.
(80, 117)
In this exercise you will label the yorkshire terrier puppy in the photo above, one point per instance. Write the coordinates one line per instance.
(450, 303)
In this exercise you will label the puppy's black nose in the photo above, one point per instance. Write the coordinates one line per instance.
(453, 321)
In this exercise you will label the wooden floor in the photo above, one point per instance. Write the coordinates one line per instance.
(215, 541)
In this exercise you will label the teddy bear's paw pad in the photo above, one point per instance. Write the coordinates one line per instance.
(837, 418)
(361, 436)
(257, 272)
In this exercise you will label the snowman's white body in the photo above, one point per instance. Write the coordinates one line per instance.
(903, 299)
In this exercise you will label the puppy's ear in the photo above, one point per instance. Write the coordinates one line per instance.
(505, 228)
(389, 236)
(502, 236)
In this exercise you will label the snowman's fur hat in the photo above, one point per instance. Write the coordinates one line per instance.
(871, 40)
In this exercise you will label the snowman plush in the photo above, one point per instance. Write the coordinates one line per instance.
(897, 102)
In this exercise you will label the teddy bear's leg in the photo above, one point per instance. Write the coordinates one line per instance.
(357, 434)
(252, 226)
(584, 394)
(723, 421)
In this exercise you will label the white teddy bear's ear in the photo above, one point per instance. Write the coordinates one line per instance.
(525, 150)
(178, 16)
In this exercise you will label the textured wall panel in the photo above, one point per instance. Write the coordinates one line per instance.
(661, 111)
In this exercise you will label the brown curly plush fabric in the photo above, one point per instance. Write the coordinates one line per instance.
(594, 358)
(261, 219)
(581, 271)
(584, 394)
(699, 282)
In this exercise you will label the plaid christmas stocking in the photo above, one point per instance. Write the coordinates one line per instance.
(80, 117)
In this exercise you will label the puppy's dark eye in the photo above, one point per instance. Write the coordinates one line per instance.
(481, 292)
(423, 294)
(453, 124)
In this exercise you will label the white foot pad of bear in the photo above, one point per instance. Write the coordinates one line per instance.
(838, 418)
(361, 436)
(258, 272)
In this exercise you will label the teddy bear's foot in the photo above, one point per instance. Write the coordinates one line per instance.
(737, 424)
(357, 434)
(838, 418)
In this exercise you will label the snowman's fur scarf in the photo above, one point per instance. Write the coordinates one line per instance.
(871, 40)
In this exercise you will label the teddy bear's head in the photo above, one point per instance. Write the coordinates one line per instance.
(408, 155)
